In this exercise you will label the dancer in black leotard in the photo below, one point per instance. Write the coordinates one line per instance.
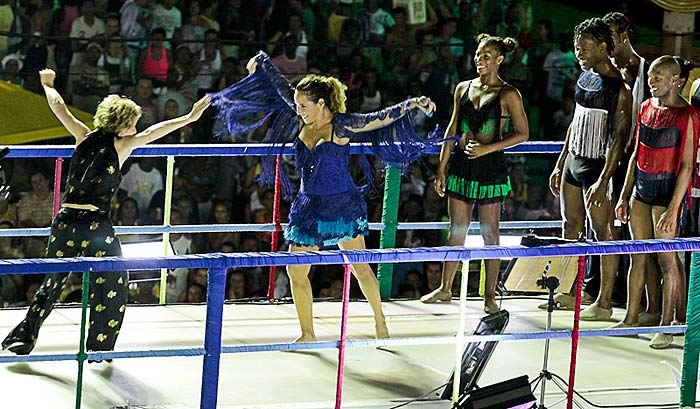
(488, 116)
(83, 226)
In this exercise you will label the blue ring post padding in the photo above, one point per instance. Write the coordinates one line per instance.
(216, 289)
(249, 149)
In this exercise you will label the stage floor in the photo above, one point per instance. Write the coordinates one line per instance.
(611, 370)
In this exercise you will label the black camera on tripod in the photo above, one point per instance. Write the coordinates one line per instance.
(548, 283)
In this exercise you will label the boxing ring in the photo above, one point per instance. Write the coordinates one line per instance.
(213, 348)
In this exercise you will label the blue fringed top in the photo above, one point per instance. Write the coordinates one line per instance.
(266, 94)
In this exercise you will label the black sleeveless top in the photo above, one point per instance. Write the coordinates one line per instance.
(485, 121)
(596, 91)
(93, 175)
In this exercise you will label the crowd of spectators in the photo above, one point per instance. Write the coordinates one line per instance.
(164, 54)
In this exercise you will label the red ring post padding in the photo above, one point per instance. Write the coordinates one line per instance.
(574, 332)
(343, 334)
(57, 186)
(278, 227)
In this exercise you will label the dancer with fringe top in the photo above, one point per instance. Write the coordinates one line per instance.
(656, 196)
(594, 146)
(329, 208)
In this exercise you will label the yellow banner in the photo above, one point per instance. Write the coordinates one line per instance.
(26, 117)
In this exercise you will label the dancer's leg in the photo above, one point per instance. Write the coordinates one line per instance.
(108, 290)
(641, 228)
(22, 338)
(368, 284)
(302, 295)
(489, 216)
(460, 213)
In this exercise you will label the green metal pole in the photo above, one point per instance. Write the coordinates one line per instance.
(390, 210)
(691, 348)
(81, 349)
(169, 174)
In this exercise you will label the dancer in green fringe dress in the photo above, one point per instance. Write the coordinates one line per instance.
(488, 116)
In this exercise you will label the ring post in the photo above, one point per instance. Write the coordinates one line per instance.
(390, 210)
(459, 345)
(278, 226)
(574, 331)
(170, 173)
(57, 186)
(343, 333)
(216, 287)
(691, 349)
(81, 348)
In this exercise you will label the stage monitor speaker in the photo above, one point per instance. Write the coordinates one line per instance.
(522, 274)
(477, 354)
(511, 394)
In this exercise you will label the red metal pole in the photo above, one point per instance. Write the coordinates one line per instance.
(343, 335)
(278, 226)
(57, 186)
(574, 332)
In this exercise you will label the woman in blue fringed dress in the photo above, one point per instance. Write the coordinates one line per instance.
(329, 208)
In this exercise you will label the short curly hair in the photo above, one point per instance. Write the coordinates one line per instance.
(597, 28)
(622, 23)
(115, 113)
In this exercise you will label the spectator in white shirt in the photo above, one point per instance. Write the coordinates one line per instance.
(168, 17)
(141, 182)
(86, 26)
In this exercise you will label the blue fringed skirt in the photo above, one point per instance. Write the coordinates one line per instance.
(325, 220)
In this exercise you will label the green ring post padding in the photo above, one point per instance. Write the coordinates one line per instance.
(691, 348)
(81, 349)
(390, 210)
(169, 175)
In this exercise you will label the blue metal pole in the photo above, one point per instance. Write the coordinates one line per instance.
(212, 337)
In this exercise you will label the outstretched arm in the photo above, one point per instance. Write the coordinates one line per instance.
(161, 129)
(285, 90)
(387, 116)
(78, 129)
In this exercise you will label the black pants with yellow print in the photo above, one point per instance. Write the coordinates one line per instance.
(82, 233)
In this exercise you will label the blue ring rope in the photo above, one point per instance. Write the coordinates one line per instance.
(256, 149)
(269, 227)
(283, 258)
(434, 340)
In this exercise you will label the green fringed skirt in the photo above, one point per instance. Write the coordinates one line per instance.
(483, 178)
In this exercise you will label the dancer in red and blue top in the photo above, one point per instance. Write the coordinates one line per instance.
(329, 208)
(655, 196)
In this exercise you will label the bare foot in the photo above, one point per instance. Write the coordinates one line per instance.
(306, 338)
(490, 305)
(382, 332)
(435, 296)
